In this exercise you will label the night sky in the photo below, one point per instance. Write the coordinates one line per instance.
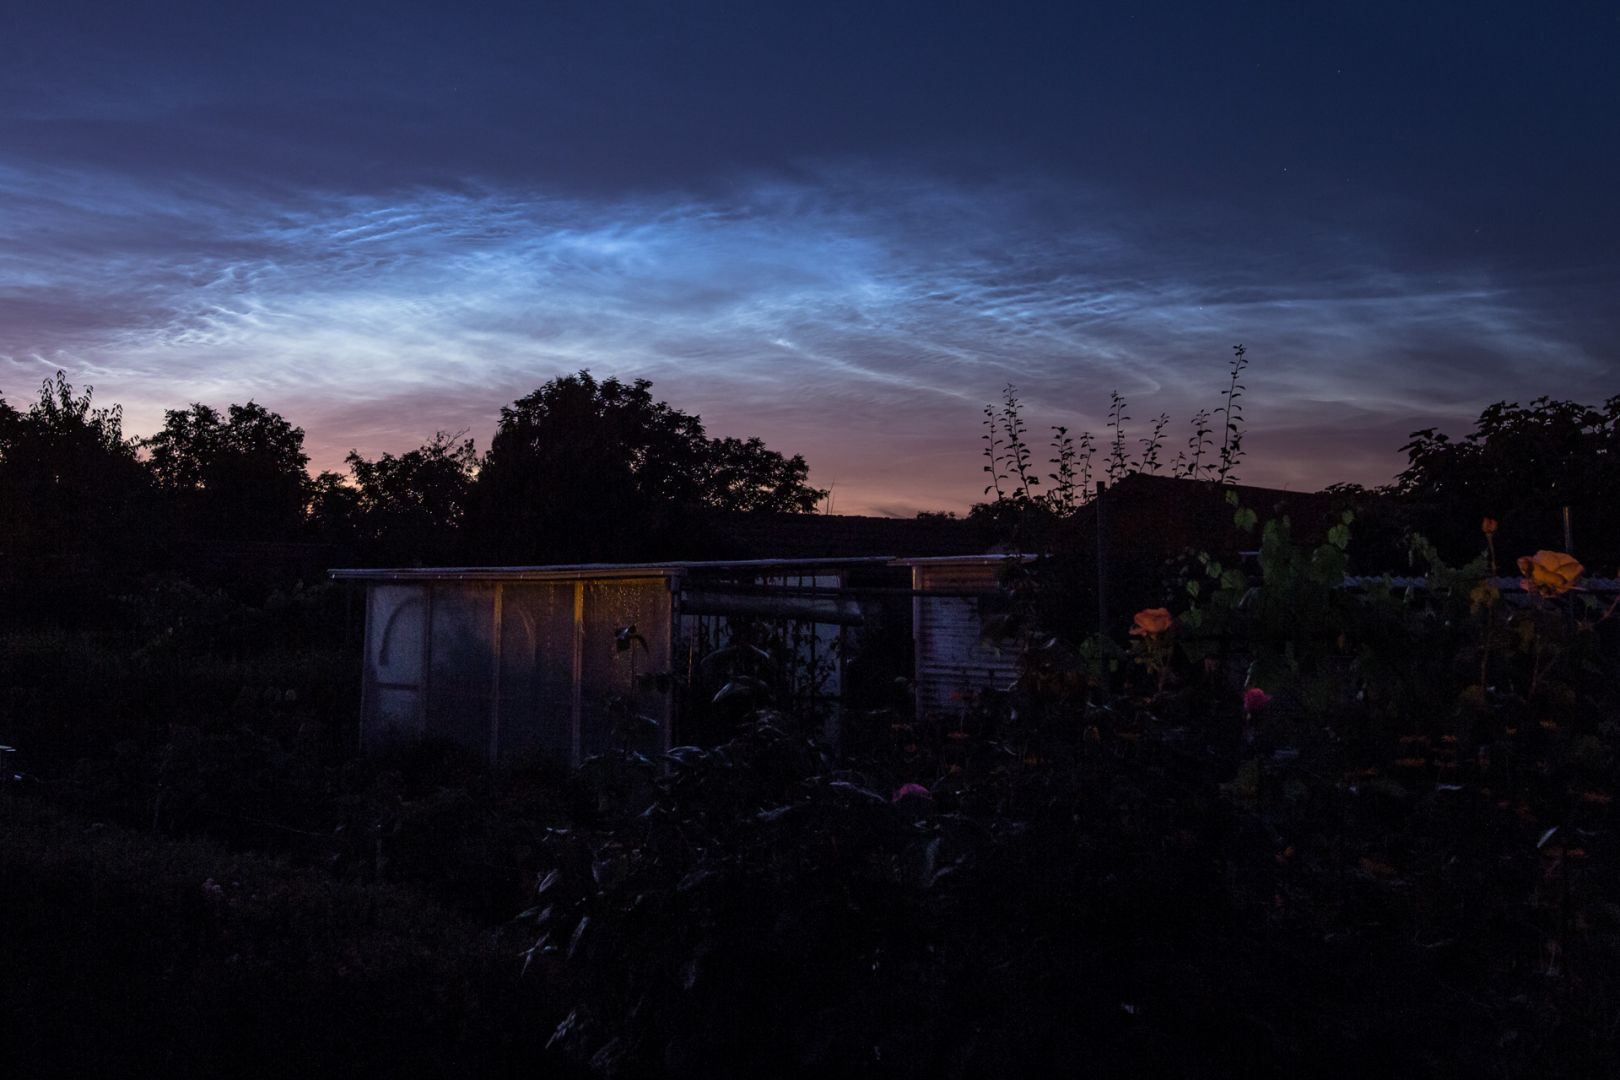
(842, 227)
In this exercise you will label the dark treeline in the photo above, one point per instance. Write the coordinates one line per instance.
(1530, 469)
(578, 470)
(1522, 466)
(588, 470)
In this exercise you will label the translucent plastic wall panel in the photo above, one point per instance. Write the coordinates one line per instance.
(394, 712)
(537, 670)
(396, 625)
(607, 687)
(461, 667)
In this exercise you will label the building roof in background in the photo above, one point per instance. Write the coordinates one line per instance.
(1161, 514)
(819, 536)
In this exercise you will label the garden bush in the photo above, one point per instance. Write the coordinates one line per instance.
(1273, 826)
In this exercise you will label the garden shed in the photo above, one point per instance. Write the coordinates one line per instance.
(571, 660)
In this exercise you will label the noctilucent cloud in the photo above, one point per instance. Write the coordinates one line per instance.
(842, 227)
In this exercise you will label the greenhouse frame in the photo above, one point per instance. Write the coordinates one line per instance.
(570, 661)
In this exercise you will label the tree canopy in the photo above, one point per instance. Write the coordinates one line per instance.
(237, 476)
(1522, 466)
(581, 469)
(71, 486)
(410, 507)
(742, 474)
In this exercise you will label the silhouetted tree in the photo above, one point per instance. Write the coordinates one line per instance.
(588, 470)
(236, 477)
(75, 500)
(409, 508)
(332, 511)
(744, 474)
(1521, 466)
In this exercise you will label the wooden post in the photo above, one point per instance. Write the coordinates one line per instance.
(1103, 621)
(495, 680)
(367, 674)
(427, 659)
(917, 644)
(575, 706)
(672, 585)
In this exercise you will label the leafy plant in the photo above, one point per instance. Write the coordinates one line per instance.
(993, 447)
(1068, 489)
(1153, 444)
(1017, 450)
(1119, 464)
(1189, 463)
(1232, 421)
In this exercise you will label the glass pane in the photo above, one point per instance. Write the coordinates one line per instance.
(462, 664)
(396, 618)
(613, 700)
(395, 714)
(537, 670)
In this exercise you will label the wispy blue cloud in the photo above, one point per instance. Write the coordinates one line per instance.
(860, 317)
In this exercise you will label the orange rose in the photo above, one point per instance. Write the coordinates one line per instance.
(1488, 526)
(1550, 573)
(1151, 622)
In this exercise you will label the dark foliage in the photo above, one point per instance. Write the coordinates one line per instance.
(70, 482)
(1284, 829)
(410, 507)
(1521, 466)
(133, 955)
(582, 470)
(236, 477)
(1120, 862)
(76, 505)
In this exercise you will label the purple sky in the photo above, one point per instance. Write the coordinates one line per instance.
(841, 227)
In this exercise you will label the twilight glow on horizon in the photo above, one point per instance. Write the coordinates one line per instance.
(841, 227)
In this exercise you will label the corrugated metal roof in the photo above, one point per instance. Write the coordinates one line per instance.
(949, 560)
(574, 571)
